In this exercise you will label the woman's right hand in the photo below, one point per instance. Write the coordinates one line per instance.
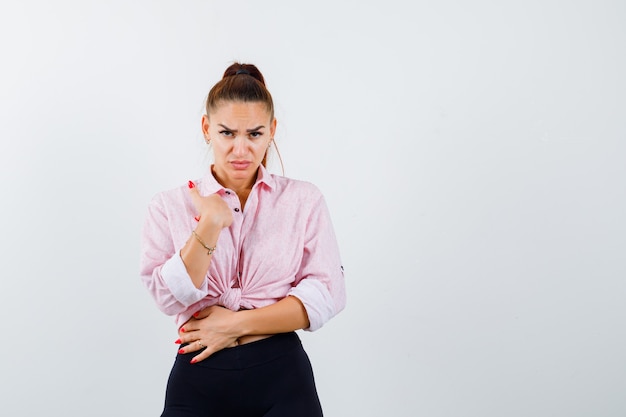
(211, 209)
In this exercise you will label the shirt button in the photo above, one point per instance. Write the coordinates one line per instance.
(236, 209)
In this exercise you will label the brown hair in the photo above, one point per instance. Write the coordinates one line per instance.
(241, 82)
(245, 83)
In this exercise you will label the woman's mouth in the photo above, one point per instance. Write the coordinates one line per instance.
(240, 165)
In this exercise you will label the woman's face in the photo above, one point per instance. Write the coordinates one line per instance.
(240, 133)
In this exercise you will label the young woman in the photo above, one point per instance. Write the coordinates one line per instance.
(242, 258)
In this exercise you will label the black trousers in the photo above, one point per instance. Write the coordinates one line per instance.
(271, 377)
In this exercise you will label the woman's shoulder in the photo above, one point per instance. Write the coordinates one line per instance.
(291, 186)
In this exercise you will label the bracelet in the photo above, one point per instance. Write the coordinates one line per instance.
(208, 248)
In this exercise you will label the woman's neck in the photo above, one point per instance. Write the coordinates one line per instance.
(241, 187)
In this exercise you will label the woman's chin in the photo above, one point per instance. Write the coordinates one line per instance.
(248, 174)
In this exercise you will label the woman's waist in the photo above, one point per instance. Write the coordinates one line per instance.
(250, 354)
(244, 340)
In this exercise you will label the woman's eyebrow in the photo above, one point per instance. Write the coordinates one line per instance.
(247, 130)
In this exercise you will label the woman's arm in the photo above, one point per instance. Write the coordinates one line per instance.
(284, 316)
(214, 216)
(175, 277)
(195, 256)
(217, 327)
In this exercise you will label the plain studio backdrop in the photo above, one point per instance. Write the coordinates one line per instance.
(472, 154)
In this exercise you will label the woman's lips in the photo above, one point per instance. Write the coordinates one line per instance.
(240, 164)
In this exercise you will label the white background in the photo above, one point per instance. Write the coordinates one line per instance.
(472, 154)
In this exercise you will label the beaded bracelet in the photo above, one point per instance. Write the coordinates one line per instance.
(208, 248)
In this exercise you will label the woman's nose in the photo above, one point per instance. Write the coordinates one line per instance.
(239, 146)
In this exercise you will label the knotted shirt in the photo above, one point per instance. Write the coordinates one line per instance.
(282, 244)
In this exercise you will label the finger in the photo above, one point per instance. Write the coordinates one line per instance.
(204, 354)
(189, 326)
(202, 314)
(191, 347)
(194, 193)
(186, 332)
(212, 349)
(187, 337)
(205, 312)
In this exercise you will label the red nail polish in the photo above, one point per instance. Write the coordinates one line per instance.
(194, 360)
(196, 314)
(182, 329)
(197, 218)
(178, 342)
(181, 351)
(191, 184)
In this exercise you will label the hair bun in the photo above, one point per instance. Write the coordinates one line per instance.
(247, 69)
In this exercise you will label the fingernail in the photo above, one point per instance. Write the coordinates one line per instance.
(182, 329)
(196, 314)
(194, 360)
(191, 184)
(178, 342)
(181, 351)
(197, 218)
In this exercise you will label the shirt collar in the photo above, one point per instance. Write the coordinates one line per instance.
(211, 186)
(264, 177)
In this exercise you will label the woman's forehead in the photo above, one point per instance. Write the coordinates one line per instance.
(240, 111)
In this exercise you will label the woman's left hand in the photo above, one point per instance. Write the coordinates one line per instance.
(213, 328)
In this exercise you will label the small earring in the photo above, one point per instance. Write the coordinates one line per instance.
(207, 140)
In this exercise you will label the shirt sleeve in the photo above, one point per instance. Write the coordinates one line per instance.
(320, 283)
(161, 267)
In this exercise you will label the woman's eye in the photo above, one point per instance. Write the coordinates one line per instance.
(256, 134)
(226, 133)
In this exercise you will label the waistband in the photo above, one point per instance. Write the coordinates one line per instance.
(249, 354)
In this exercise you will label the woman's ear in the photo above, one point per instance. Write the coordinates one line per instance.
(273, 128)
(205, 127)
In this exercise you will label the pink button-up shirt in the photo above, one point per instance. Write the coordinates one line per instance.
(282, 244)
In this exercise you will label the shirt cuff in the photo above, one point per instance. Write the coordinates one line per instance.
(179, 282)
(317, 302)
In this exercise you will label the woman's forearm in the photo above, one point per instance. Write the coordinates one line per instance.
(195, 256)
(283, 316)
(214, 215)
